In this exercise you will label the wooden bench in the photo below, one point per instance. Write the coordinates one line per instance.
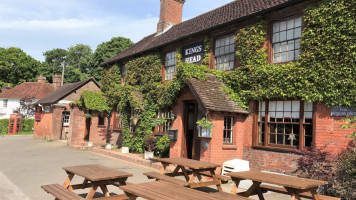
(305, 194)
(222, 178)
(158, 176)
(224, 195)
(60, 192)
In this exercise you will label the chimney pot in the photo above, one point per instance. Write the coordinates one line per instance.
(41, 79)
(170, 14)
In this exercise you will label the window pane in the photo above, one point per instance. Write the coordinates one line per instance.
(276, 48)
(275, 27)
(276, 37)
(298, 22)
(290, 55)
(291, 45)
(297, 32)
(282, 35)
(290, 24)
(283, 46)
(283, 26)
(290, 34)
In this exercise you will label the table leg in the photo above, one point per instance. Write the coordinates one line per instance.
(85, 182)
(105, 190)
(164, 166)
(315, 195)
(185, 173)
(293, 193)
(212, 172)
(254, 189)
(68, 180)
(92, 192)
(235, 186)
(122, 181)
(131, 196)
(192, 177)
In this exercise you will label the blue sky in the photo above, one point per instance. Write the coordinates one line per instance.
(36, 26)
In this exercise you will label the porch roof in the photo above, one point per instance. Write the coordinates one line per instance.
(208, 93)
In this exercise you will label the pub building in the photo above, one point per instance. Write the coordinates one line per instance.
(269, 132)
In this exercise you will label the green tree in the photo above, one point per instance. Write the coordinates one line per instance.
(53, 62)
(78, 57)
(17, 67)
(105, 51)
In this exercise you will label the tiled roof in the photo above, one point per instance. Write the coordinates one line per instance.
(34, 90)
(212, 97)
(64, 91)
(229, 13)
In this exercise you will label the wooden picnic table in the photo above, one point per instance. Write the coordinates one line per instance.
(161, 190)
(196, 167)
(293, 185)
(95, 176)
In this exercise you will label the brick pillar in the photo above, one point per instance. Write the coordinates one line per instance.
(76, 126)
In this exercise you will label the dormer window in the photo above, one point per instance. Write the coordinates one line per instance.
(286, 40)
(170, 65)
(225, 53)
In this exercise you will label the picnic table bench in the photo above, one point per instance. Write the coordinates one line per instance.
(294, 186)
(161, 190)
(94, 176)
(186, 166)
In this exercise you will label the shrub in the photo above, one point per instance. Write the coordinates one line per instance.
(316, 164)
(27, 125)
(344, 184)
(162, 146)
(4, 124)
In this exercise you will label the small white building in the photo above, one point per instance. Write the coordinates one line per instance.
(10, 98)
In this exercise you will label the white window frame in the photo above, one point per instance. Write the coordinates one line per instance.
(226, 129)
(170, 65)
(286, 38)
(225, 53)
(123, 74)
(66, 118)
(46, 109)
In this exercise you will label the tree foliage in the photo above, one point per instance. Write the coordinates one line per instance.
(17, 67)
(105, 51)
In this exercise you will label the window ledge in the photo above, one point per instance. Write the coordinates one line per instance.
(229, 147)
(101, 126)
(279, 149)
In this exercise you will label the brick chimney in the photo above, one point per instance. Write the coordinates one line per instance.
(41, 79)
(8, 87)
(170, 14)
(57, 80)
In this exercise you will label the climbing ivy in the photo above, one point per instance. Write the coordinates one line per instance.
(93, 101)
(325, 71)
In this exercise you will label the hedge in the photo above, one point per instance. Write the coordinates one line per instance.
(26, 125)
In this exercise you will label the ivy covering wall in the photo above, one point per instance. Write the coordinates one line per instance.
(325, 71)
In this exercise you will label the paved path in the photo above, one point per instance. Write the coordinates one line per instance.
(26, 164)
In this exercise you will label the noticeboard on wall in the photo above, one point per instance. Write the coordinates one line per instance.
(172, 134)
(342, 111)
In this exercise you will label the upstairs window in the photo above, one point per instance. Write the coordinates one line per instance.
(225, 53)
(286, 40)
(170, 65)
(5, 103)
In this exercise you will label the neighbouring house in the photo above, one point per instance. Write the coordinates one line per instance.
(57, 119)
(10, 98)
(270, 131)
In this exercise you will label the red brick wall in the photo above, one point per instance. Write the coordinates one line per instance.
(95, 130)
(56, 123)
(218, 152)
(42, 129)
(91, 86)
(76, 126)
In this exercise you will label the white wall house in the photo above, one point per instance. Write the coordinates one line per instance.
(7, 107)
(10, 98)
